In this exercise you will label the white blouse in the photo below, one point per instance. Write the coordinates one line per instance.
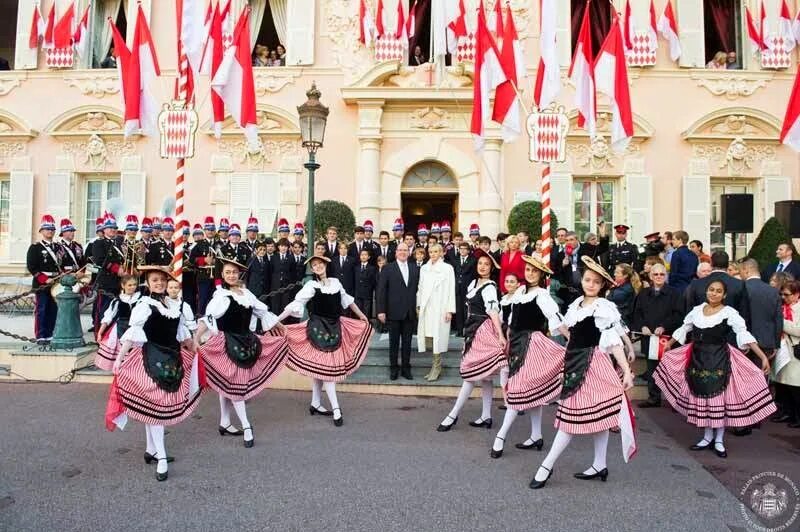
(186, 310)
(219, 304)
(546, 304)
(696, 318)
(489, 295)
(113, 308)
(142, 311)
(606, 317)
(332, 286)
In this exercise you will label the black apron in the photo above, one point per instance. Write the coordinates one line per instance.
(709, 366)
(526, 318)
(241, 345)
(161, 353)
(476, 315)
(323, 329)
(584, 337)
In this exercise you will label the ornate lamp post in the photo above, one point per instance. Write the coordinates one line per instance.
(313, 117)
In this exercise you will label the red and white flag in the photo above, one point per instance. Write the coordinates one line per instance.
(488, 76)
(495, 22)
(123, 56)
(193, 33)
(627, 430)
(141, 105)
(227, 25)
(402, 31)
(652, 28)
(81, 36)
(215, 53)
(627, 33)
(49, 37)
(611, 77)
(506, 100)
(205, 60)
(234, 80)
(380, 29)
(790, 133)
(581, 73)
(668, 27)
(411, 23)
(457, 27)
(366, 25)
(548, 75)
(796, 27)
(753, 34)
(63, 32)
(37, 28)
(785, 28)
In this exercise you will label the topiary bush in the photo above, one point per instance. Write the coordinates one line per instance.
(527, 216)
(772, 234)
(333, 213)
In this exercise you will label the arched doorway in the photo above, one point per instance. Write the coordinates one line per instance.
(429, 193)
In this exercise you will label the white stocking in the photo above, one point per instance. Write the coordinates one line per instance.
(708, 436)
(316, 395)
(600, 448)
(157, 433)
(241, 413)
(463, 395)
(151, 448)
(560, 443)
(536, 423)
(503, 378)
(224, 412)
(487, 394)
(330, 390)
(508, 420)
(719, 434)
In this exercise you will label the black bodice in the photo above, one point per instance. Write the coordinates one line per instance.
(236, 319)
(528, 317)
(475, 304)
(709, 367)
(584, 334)
(325, 305)
(716, 335)
(124, 310)
(162, 330)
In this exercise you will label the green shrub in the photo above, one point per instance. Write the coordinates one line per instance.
(772, 234)
(333, 213)
(527, 216)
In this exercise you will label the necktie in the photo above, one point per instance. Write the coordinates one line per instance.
(780, 268)
(341, 261)
(463, 260)
(363, 268)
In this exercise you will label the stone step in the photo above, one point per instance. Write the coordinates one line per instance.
(380, 342)
(451, 359)
(379, 375)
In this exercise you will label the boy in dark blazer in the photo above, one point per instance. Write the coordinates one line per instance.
(366, 278)
(342, 267)
(464, 269)
(258, 274)
(282, 269)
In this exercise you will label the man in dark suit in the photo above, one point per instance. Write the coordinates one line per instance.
(282, 273)
(341, 267)
(365, 279)
(383, 248)
(683, 264)
(258, 274)
(355, 247)
(396, 303)
(786, 263)
(735, 296)
(464, 269)
(568, 263)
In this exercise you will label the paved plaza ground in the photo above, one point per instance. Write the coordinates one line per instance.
(386, 469)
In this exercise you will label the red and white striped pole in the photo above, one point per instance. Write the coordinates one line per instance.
(546, 215)
(182, 93)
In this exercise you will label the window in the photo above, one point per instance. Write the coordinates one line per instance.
(723, 31)
(429, 175)
(719, 240)
(101, 43)
(600, 18)
(271, 34)
(98, 192)
(594, 203)
(281, 31)
(5, 206)
(8, 32)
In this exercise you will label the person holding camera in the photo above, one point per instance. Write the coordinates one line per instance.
(569, 263)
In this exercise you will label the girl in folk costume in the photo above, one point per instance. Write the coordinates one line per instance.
(535, 362)
(157, 379)
(239, 363)
(708, 380)
(436, 303)
(175, 295)
(484, 343)
(592, 399)
(115, 322)
(328, 346)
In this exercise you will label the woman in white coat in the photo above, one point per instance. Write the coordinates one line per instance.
(436, 303)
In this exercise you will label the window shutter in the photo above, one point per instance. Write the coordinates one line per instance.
(696, 208)
(775, 189)
(241, 194)
(20, 215)
(132, 189)
(300, 17)
(59, 194)
(266, 195)
(561, 199)
(564, 32)
(24, 57)
(639, 201)
(692, 34)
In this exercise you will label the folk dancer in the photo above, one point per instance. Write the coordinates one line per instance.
(115, 322)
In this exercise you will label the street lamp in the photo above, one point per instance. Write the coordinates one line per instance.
(313, 117)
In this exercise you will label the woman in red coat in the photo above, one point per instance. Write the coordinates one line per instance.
(511, 261)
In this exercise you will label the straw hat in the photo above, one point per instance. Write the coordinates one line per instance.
(538, 264)
(597, 268)
(478, 253)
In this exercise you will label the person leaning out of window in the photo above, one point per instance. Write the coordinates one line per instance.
(719, 62)
(261, 57)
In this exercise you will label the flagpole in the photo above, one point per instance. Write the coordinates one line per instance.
(181, 90)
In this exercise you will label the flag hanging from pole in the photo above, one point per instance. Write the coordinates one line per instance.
(366, 25)
(81, 37)
(49, 38)
(785, 27)
(548, 75)
(506, 101)
(215, 53)
(488, 75)
(411, 24)
(668, 27)
(401, 32)
(380, 30)
(37, 28)
(581, 73)
(611, 78)
(790, 133)
(62, 32)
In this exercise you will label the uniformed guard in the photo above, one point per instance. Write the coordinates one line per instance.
(446, 232)
(155, 249)
(44, 265)
(283, 229)
(398, 229)
(189, 272)
(73, 257)
(202, 258)
(109, 257)
(474, 235)
(622, 251)
(92, 267)
(167, 232)
(252, 235)
(235, 250)
(223, 232)
(299, 233)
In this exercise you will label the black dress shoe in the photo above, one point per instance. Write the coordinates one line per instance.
(150, 458)
(538, 444)
(502, 407)
(482, 423)
(794, 425)
(223, 431)
(649, 404)
(721, 453)
(393, 374)
(537, 484)
(249, 443)
(445, 428)
(781, 418)
(497, 454)
(314, 410)
(340, 421)
(699, 447)
(602, 475)
(161, 477)
(406, 373)
(743, 432)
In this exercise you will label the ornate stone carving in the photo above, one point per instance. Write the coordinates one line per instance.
(738, 157)
(10, 149)
(260, 155)
(272, 81)
(424, 76)
(93, 153)
(96, 153)
(595, 155)
(9, 84)
(340, 21)
(5, 128)
(265, 123)
(97, 122)
(429, 118)
(94, 84)
(732, 86)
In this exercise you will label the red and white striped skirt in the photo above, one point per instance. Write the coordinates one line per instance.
(485, 356)
(144, 401)
(237, 383)
(332, 366)
(744, 402)
(596, 405)
(108, 350)
(538, 381)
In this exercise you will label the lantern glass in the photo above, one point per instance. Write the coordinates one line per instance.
(313, 119)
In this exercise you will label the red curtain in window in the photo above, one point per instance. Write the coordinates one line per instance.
(422, 31)
(720, 26)
(600, 21)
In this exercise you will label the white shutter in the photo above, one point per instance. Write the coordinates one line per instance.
(775, 189)
(131, 7)
(20, 215)
(24, 57)
(697, 208)
(241, 192)
(564, 32)
(561, 199)
(639, 201)
(692, 35)
(266, 196)
(132, 185)
(300, 17)
(59, 194)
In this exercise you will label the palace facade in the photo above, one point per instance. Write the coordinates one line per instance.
(398, 140)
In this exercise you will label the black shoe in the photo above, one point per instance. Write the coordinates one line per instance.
(406, 373)
(445, 428)
(313, 410)
(649, 404)
(502, 407)
(723, 453)
(482, 423)
(338, 422)
(743, 432)
(223, 431)
(698, 447)
(249, 443)
(602, 474)
(161, 477)
(393, 374)
(497, 454)
(794, 425)
(538, 444)
(90, 329)
(537, 484)
(781, 418)
(150, 458)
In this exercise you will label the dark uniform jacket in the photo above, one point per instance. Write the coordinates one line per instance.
(240, 253)
(258, 276)
(653, 309)
(198, 258)
(73, 257)
(156, 253)
(366, 279)
(621, 253)
(43, 262)
(343, 272)
(108, 256)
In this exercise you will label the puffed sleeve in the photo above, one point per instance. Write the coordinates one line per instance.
(183, 329)
(346, 298)
(549, 308)
(111, 312)
(188, 316)
(135, 333)
(688, 324)
(261, 311)
(305, 294)
(215, 309)
(736, 322)
(490, 301)
(607, 319)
